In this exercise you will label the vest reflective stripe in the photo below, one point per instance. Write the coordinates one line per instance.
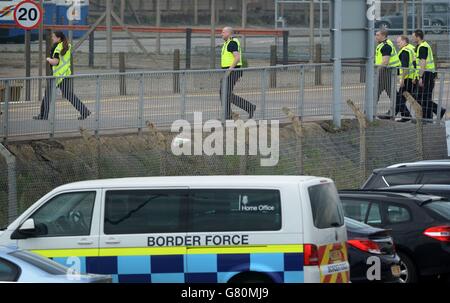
(411, 72)
(227, 58)
(63, 69)
(393, 60)
(430, 59)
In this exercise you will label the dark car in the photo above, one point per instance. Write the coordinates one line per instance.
(441, 190)
(419, 224)
(435, 19)
(365, 241)
(422, 172)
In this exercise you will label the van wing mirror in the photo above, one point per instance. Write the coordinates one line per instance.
(28, 226)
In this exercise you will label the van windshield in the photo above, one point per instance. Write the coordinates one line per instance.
(326, 206)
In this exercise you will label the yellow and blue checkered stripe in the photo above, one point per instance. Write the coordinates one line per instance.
(283, 263)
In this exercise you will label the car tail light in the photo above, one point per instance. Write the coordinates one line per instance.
(365, 245)
(310, 255)
(440, 233)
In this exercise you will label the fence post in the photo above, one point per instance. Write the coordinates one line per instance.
(393, 91)
(224, 96)
(362, 72)
(376, 83)
(141, 104)
(122, 78)
(12, 184)
(188, 47)
(363, 124)
(318, 69)
(298, 129)
(5, 119)
(285, 47)
(176, 67)
(441, 95)
(419, 122)
(91, 49)
(263, 92)
(48, 49)
(183, 96)
(273, 62)
(301, 92)
(27, 65)
(52, 107)
(97, 105)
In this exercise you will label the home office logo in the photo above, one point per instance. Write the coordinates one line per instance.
(73, 10)
(252, 138)
(374, 10)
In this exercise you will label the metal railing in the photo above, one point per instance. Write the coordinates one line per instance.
(125, 101)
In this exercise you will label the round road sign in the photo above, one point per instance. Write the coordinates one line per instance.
(28, 14)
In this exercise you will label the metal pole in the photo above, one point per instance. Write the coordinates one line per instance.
(196, 12)
(263, 92)
(91, 49)
(188, 47)
(141, 103)
(183, 96)
(122, 10)
(97, 105)
(413, 15)
(27, 65)
(5, 120)
(405, 17)
(213, 35)
(311, 31)
(285, 47)
(109, 63)
(52, 106)
(441, 96)
(244, 22)
(337, 65)
(224, 98)
(122, 77)
(370, 71)
(321, 21)
(301, 92)
(40, 59)
(158, 24)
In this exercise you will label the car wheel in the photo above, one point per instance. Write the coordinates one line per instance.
(437, 27)
(408, 272)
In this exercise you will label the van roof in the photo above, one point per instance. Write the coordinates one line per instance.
(188, 181)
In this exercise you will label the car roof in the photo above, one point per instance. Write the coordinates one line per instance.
(433, 163)
(382, 193)
(184, 181)
(418, 186)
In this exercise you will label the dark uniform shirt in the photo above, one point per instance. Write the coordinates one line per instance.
(386, 50)
(404, 59)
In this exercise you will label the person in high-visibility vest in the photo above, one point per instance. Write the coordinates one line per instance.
(407, 76)
(427, 75)
(385, 58)
(231, 59)
(60, 61)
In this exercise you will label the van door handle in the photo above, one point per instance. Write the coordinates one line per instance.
(112, 241)
(85, 242)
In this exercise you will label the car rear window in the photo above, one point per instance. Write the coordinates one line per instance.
(442, 208)
(44, 264)
(401, 179)
(326, 206)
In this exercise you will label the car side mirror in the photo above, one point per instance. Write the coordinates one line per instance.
(28, 226)
(28, 229)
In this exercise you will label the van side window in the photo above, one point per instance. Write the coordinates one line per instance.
(235, 210)
(144, 211)
(68, 214)
(326, 206)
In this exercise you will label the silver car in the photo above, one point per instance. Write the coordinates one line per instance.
(23, 266)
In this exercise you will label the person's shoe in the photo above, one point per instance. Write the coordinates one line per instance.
(83, 117)
(385, 116)
(402, 120)
(39, 117)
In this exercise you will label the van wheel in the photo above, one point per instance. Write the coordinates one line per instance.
(408, 272)
(250, 277)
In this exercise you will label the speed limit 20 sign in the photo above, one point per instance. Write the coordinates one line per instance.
(28, 14)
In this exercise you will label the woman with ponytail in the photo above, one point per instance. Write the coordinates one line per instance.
(60, 61)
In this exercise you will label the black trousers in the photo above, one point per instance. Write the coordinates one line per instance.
(232, 79)
(384, 82)
(425, 96)
(400, 104)
(66, 87)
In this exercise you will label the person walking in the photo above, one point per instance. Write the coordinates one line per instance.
(407, 76)
(427, 75)
(60, 61)
(231, 59)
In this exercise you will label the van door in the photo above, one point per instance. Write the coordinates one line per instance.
(325, 234)
(142, 235)
(66, 228)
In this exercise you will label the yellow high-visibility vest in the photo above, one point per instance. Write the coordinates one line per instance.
(393, 60)
(63, 69)
(411, 72)
(227, 57)
(430, 59)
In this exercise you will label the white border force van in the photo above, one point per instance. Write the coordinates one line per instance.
(192, 229)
